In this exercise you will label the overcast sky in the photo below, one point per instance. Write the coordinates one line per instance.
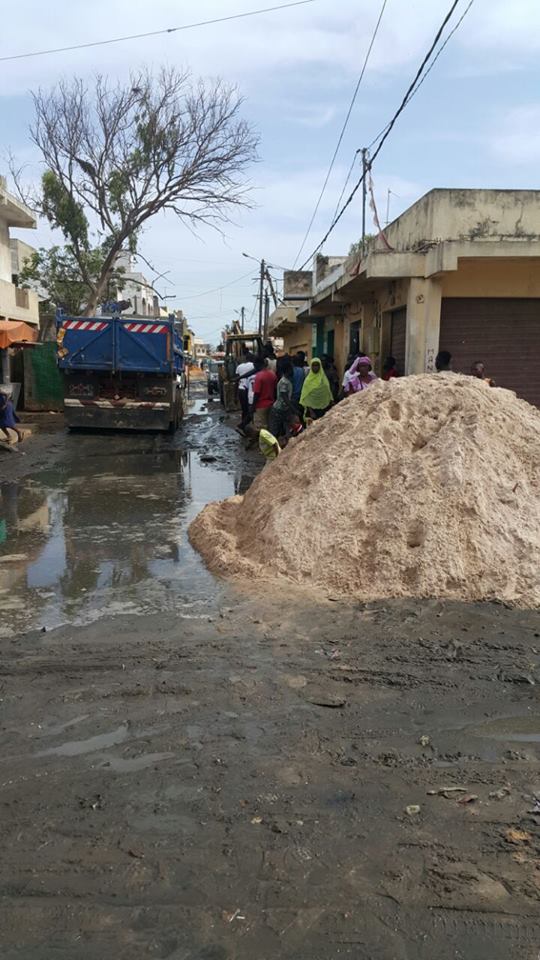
(475, 123)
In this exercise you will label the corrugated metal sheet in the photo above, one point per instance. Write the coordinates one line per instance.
(398, 337)
(503, 333)
(43, 382)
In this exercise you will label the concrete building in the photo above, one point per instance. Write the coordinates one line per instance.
(15, 303)
(137, 288)
(462, 274)
(201, 349)
(21, 252)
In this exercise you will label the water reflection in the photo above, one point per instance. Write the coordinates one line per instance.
(106, 532)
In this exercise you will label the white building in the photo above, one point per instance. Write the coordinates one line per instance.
(200, 349)
(138, 289)
(21, 252)
(15, 303)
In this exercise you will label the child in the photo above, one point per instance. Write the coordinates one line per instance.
(8, 417)
(268, 444)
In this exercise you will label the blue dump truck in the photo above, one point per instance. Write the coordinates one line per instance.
(121, 372)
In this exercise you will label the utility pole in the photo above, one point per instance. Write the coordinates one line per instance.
(270, 283)
(242, 318)
(364, 197)
(261, 296)
(266, 313)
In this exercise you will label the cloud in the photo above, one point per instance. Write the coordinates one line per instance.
(318, 35)
(297, 70)
(316, 116)
(512, 30)
(515, 137)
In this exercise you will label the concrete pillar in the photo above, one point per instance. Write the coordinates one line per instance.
(423, 325)
(5, 372)
(370, 332)
(433, 324)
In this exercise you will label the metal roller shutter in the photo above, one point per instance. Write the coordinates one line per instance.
(398, 337)
(504, 333)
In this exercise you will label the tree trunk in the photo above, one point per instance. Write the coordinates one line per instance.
(96, 296)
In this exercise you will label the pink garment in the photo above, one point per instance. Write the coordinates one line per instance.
(353, 382)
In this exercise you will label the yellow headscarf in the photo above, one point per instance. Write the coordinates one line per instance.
(316, 393)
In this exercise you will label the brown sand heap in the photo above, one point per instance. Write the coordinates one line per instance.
(426, 486)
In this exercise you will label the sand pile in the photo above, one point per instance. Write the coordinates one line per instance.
(427, 486)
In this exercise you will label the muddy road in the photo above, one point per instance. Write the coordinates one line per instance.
(194, 772)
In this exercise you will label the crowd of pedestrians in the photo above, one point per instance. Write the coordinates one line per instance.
(281, 396)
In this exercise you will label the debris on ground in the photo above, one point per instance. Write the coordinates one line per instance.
(518, 836)
(412, 810)
(324, 699)
(439, 499)
(447, 792)
(500, 794)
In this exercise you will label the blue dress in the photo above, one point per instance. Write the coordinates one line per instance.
(8, 417)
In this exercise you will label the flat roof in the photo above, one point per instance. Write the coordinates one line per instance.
(15, 213)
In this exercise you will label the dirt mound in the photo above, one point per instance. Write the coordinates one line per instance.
(426, 486)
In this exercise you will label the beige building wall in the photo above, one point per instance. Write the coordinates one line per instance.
(493, 278)
(299, 338)
(467, 215)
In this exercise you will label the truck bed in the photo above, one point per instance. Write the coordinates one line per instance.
(121, 372)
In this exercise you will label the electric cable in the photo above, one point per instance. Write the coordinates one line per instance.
(428, 71)
(387, 130)
(155, 33)
(343, 129)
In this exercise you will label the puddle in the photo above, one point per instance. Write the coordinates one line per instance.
(75, 748)
(105, 531)
(121, 765)
(57, 728)
(511, 729)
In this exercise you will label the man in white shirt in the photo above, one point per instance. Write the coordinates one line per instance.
(244, 372)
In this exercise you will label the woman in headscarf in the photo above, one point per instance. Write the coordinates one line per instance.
(316, 394)
(359, 376)
(332, 375)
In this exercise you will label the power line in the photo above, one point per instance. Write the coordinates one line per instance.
(156, 33)
(343, 129)
(387, 130)
(428, 71)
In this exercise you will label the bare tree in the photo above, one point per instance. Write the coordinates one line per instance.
(117, 156)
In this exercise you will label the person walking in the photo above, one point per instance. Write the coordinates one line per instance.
(270, 356)
(359, 377)
(243, 372)
(443, 362)
(478, 370)
(332, 375)
(264, 394)
(316, 396)
(283, 407)
(390, 370)
(8, 417)
(298, 378)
